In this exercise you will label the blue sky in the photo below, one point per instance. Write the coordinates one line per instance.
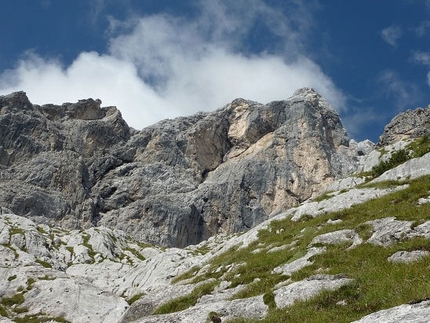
(157, 59)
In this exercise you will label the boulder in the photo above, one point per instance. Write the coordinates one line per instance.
(307, 288)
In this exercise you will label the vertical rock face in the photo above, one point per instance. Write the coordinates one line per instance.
(174, 183)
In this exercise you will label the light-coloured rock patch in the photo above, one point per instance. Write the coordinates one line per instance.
(406, 313)
(307, 288)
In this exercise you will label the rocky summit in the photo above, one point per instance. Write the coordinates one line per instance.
(251, 213)
(177, 182)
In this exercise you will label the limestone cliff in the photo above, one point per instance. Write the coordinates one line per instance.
(177, 182)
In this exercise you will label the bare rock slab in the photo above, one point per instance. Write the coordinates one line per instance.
(308, 288)
(76, 300)
(406, 313)
(408, 256)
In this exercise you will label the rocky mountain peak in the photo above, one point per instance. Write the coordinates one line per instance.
(177, 182)
(16, 100)
(308, 94)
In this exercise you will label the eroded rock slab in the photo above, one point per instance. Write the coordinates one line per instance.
(407, 313)
(408, 256)
(307, 288)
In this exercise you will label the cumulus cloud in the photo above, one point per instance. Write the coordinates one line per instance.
(392, 34)
(163, 66)
(90, 75)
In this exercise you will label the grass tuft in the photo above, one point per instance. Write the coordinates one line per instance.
(184, 302)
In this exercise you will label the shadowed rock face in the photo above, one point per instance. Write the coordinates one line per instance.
(177, 182)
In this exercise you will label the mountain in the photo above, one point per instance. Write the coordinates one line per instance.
(176, 183)
(353, 247)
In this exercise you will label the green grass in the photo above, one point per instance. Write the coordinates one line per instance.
(378, 284)
(86, 243)
(134, 298)
(20, 310)
(10, 278)
(16, 299)
(186, 275)
(137, 254)
(419, 147)
(46, 277)
(324, 196)
(39, 319)
(16, 230)
(43, 263)
(383, 184)
(3, 311)
(41, 230)
(398, 157)
(184, 302)
(415, 149)
(30, 282)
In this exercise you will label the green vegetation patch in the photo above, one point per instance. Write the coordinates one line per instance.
(187, 275)
(415, 149)
(419, 147)
(41, 230)
(43, 263)
(30, 282)
(46, 277)
(3, 311)
(397, 158)
(135, 253)
(40, 318)
(16, 299)
(10, 278)
(134, 298)
(86, 243)
(324, 196)
(184, 302)
(377, 283)
(16, 230)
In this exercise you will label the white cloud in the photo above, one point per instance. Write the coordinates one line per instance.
(424, 29)
(91, 75)
(162, 66)
(392, 34)
(404, 93)
(424, 59)
(421, 58)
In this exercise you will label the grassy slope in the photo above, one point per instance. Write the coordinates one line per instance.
(378, 284)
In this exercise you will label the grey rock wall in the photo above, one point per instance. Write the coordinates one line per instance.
(177, 182)
(409, 124)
